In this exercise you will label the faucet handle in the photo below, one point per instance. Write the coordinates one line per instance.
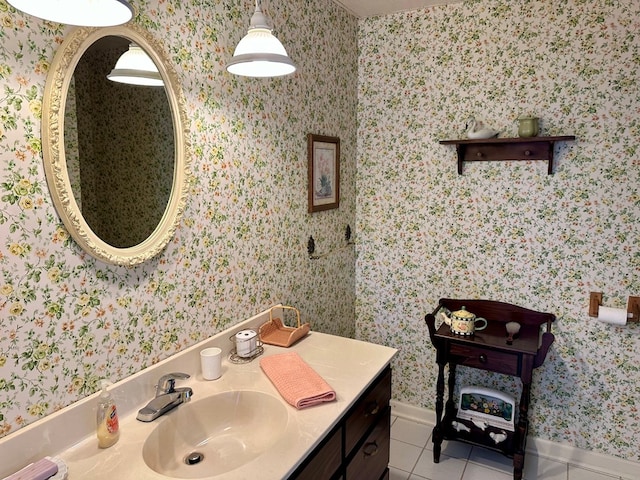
(167, 382)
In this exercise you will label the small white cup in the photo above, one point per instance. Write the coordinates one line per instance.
(211, 363)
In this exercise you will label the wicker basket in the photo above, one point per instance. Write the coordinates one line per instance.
(275, 332)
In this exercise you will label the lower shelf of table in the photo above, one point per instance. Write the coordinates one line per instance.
(513, 442)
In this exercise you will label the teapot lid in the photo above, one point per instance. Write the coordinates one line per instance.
(463, 313)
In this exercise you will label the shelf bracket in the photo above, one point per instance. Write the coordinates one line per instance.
(460, 151)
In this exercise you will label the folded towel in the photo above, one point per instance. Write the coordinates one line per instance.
(298, 383)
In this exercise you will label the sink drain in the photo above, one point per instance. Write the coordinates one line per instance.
(193, 458)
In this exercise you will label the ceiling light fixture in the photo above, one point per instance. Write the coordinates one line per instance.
(135, 67)
(259, 53)
(82, 13)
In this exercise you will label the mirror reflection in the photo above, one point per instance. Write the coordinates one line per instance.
(119, 147)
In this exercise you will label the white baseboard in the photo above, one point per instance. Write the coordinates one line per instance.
(560, 452)
(413, 413)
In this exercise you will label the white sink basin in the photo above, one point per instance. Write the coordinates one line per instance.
(217, 434)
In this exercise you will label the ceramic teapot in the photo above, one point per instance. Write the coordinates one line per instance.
(463, 322)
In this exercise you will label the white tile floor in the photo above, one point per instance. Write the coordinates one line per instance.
(412, 459)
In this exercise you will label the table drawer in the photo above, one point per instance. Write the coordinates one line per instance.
(501, 362)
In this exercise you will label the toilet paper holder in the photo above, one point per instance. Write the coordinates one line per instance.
(246, 346)
(633, 307)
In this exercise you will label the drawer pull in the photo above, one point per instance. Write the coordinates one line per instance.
(372, 409)
(483, 358)
(370, 449)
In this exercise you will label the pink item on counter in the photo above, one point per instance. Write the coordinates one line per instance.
(40, 470)
(298, 383)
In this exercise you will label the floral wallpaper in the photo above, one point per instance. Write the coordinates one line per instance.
(66, 319)
(506, 230)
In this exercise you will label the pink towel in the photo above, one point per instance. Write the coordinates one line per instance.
(298, 383)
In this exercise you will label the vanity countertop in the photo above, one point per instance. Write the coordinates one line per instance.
(348, 365)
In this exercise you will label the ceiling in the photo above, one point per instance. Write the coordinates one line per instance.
(370, 8)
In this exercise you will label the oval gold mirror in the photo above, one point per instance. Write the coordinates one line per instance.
(115, 154)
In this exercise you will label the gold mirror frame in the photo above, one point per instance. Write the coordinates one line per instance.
(55, 165)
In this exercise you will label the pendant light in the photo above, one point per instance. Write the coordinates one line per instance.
(82, 13)
(259, 53)
(135, 67)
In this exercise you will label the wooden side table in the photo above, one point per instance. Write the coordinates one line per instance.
(488, 350)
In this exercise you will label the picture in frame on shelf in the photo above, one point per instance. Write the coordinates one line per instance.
(324, 172)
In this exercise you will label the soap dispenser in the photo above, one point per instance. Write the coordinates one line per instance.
(108, 429)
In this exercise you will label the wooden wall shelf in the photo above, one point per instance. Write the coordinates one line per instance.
(489, 149)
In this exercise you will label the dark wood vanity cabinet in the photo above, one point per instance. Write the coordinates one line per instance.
(358, 446)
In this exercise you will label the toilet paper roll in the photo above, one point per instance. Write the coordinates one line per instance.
(614, 316)
(246, 342)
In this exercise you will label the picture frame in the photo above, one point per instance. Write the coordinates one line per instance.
(324, 172)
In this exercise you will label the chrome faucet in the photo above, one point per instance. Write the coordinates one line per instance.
(167, 397)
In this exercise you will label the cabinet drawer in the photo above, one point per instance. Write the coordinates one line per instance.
(367, 410)
(324, 461)
(372, 459)
(501, 362)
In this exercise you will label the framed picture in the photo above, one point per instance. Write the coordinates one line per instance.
(324, 172)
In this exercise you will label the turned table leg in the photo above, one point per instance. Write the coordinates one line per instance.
(521, 430)
(450, 405)
(438, 435)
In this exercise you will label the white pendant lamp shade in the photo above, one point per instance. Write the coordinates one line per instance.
(259, 53)
(135, 67)
(83, 13)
